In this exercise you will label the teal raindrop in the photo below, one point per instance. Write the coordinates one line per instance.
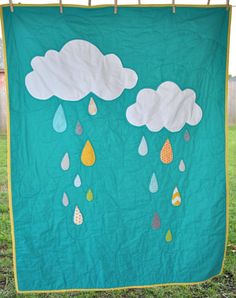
(153, 186)
(143, 148)
(59, 120)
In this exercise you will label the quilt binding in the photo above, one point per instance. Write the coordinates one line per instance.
(9, 146)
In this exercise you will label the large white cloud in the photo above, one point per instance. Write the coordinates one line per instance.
(76, 70)
(167, 107)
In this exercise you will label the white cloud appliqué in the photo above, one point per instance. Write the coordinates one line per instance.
(167, 107)
(76, 70)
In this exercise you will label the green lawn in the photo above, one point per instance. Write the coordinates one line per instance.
(222, 286)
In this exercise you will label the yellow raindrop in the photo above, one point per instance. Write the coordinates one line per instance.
(88, 155)
(166, 152)
(168, 236)
(89, 195)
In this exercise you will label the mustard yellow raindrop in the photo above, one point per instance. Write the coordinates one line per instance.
(168, 236)
(89, 195)
(88, 155)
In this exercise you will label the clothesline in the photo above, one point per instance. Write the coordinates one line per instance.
(89, 4)
(173, 4)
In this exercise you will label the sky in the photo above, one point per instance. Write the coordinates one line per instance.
(232, 57)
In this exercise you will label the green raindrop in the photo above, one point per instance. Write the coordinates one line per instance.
(169, 236)
(89, 195)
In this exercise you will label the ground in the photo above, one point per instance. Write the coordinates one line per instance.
(221, 286)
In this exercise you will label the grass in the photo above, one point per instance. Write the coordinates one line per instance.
(221, 286)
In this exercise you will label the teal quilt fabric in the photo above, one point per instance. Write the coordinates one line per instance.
(117, 145)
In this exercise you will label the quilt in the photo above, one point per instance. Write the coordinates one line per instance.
(116, 144)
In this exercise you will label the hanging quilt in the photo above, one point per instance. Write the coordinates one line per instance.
(116, 145)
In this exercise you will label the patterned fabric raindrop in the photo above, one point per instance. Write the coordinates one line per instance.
(166, 153)
(78, 217)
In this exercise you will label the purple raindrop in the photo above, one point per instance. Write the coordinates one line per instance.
(78, 129)
(186, 136)
(156, 221)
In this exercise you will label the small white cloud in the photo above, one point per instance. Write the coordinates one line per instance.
(76, 70)
(167, 107)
